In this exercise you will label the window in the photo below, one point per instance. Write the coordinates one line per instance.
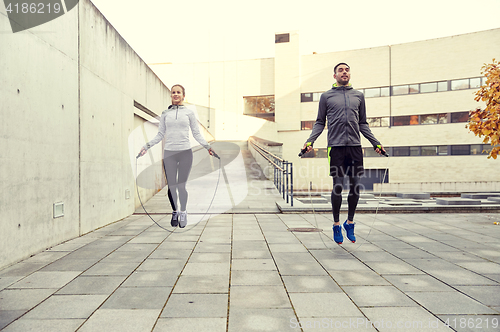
(310, 96)
(428, 87)
(401, 120)
(476, 149)
(282, 38)
(414, 88)
(385, 91)
(321, 153)
(413, 119)
(400, 90)
(429, 150)
(306, 125)
(487, 148)
(429, 119)
(374, 92)
(442, 150)
(305, 97)
(369, 152)
(260, 107)
(442, 86)
(401, 151)
(460, 84)
(460, 150)
(475, 82)
(373, 122)
(459, 117)
(443, 118)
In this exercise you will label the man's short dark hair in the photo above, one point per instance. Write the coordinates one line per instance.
(342, 63)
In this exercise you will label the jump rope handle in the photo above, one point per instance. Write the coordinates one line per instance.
(382, 151)
(304, 150)
(215, 155)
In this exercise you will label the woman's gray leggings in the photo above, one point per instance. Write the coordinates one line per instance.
(177, 168)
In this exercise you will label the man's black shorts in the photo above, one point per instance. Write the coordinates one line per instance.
(345, 160)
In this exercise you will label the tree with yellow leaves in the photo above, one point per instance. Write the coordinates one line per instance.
(487, 122)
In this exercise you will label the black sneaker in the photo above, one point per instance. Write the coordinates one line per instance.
(174, 222)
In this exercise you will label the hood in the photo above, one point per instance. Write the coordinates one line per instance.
(336, 86)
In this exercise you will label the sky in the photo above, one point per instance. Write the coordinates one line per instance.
(166, 31)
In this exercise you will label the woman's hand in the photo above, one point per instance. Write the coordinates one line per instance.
(142, 152)
(213, 154)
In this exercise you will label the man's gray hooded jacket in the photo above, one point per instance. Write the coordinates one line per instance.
(344, 109)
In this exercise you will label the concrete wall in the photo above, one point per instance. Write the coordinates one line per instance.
(67, 89)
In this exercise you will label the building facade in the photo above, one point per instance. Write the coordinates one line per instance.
(418, 96)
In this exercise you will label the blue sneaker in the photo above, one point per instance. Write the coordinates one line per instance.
(349, 231)
(337, 234)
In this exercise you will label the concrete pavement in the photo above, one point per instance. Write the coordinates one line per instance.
(263, 270)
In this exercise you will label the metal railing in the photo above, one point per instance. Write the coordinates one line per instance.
(282, 172)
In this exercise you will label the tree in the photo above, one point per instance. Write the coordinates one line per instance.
(487, 122)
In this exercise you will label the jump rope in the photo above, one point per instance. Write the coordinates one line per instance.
(302, 152)
(175, 229)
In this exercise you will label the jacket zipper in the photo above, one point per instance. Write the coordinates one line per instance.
(346, 116)
(176, 112)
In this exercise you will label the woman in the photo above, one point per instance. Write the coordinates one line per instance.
(178, 157)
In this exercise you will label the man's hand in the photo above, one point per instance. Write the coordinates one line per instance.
(380, 150)
(308, 147)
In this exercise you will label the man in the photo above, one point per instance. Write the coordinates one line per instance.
(344, 109)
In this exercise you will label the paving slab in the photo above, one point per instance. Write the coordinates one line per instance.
(378, 296)
(320, 305)
(86, 285)
(266, 297)
(151, 279)
(23, 299)
(9, 316)
(310, 284)
(121, 320)
(202, 285)
(44, 325)
(403, 319)
(196, 305)
(66, 307)
(138, 298)
(208, 324)
(45, 280)
(453, 303)
(255, 278)
(262, 320)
